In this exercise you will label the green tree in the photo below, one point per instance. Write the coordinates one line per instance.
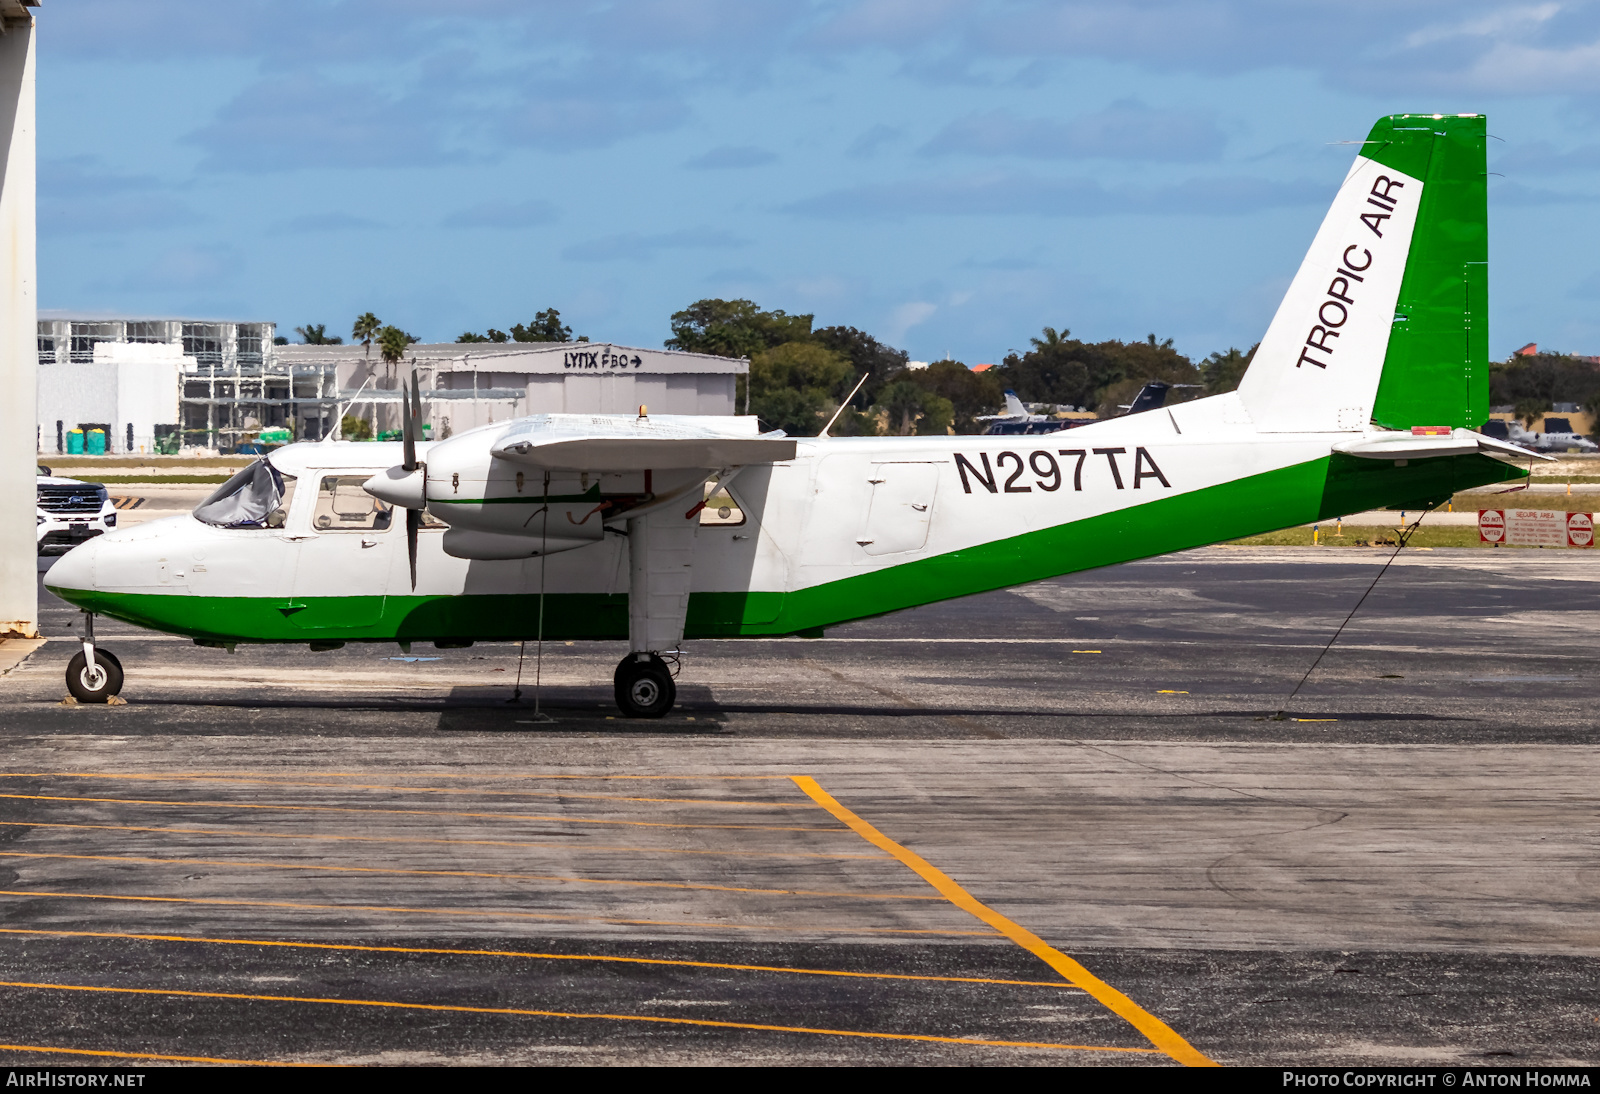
(365, 328)
(795, 385)
(797, 413)
(1098, 376)
(1222, 372)
(912, 408)
(866, 355)
(546, 327)
(1051, 338)
(735, 328)
(392, 343)
(1531, 410)
(352, 428)
(1543, 379)
(316, 334)
(968, 393)
(468, 336)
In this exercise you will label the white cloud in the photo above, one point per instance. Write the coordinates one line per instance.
(906, 316)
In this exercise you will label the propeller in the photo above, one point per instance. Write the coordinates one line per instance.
(410, 426)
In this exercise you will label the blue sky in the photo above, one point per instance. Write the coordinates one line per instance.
(950, 175)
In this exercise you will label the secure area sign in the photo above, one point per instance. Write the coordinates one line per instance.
(1536, 527)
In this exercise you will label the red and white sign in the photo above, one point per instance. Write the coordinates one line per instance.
(1536, 527)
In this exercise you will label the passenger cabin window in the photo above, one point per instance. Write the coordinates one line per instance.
(256, 497)
(342, 506)
(722, 509)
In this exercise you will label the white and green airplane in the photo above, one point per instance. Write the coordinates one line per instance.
(1363, 394)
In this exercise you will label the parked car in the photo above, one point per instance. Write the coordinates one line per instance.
(70, 512)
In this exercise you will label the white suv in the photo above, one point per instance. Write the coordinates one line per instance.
(71, 512)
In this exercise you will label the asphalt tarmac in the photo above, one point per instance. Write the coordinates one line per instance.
(1056, 825)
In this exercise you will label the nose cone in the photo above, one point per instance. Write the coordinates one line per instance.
(73, 571)
(397, 486)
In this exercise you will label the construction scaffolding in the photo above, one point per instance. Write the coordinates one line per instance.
(232, 386)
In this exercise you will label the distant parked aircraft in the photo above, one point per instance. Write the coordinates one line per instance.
(1017, 421)
(1559, 439)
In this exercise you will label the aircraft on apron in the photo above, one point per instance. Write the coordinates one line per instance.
(1363, 394)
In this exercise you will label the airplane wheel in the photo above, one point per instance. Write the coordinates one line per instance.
(97, 684)
(645, 688)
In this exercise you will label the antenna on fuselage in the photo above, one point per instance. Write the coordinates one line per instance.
(844, 404)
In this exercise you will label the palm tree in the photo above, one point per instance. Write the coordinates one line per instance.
(1052, 337)
(392, 343)
(365, 327)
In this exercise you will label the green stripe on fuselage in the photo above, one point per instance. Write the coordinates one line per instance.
(1316, 490)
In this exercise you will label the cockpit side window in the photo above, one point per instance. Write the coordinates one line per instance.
(256, 497)
(343, 506)
(722, 509)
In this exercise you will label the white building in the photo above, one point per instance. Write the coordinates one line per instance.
(213, 382)
(128, 390)
(218, 383)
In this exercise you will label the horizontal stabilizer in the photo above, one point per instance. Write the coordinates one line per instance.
(1412, 446)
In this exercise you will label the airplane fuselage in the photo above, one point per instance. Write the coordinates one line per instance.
(849, 528)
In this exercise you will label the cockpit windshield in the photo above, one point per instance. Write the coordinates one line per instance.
(256, 497)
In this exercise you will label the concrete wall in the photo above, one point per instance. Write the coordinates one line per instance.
(19, 313)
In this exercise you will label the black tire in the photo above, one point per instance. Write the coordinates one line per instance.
(644, 689)
(96, 686)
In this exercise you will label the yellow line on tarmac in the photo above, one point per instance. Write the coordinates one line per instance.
(563, 794)
(1160, 1034)
(147, 1056)
(521, 1013)
(604, 958)
(483, 914)
(151, 860)
(409, 813)
(586, 848)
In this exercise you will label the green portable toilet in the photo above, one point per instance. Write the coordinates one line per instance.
(94, 443)
(74, 442)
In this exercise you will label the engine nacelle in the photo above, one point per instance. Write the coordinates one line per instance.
(510, 508)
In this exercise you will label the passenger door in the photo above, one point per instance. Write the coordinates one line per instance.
(900, 508)
(342, 573)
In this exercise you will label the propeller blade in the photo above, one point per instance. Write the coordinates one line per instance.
(408, 429)
(413, 525)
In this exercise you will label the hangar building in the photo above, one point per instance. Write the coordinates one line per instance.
(471, 384)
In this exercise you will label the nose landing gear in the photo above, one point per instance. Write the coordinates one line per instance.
(93, 675)
(644, 686)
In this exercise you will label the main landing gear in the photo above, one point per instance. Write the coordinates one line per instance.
(644, 686)
(93, 675)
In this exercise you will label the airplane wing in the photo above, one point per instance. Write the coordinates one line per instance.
(602, 444)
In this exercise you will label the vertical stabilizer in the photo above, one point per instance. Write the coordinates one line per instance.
(1385, 322)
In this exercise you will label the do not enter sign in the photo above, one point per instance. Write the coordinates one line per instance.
(1536, 527)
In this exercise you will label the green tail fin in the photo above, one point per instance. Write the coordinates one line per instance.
(1436, 370)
